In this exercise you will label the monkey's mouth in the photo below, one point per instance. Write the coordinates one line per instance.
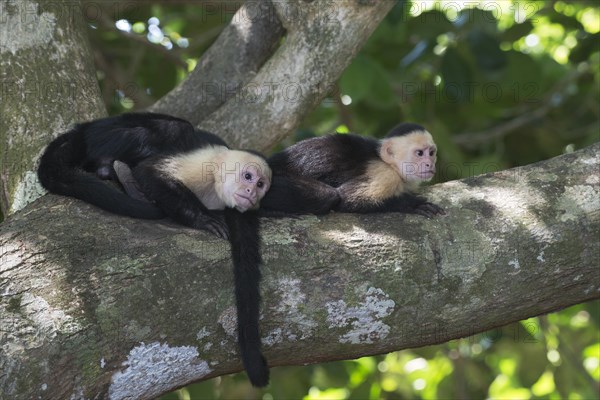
(244, 201)
(427, 174)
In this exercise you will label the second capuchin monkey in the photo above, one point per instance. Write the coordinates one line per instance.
(351, 173)
(177, 171)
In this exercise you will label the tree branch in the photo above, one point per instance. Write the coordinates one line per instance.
(240, 50)
(47, 82)
(95, 305)
(322, 38)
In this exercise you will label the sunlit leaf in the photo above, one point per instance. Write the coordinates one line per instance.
(328, 394)
(545, 385)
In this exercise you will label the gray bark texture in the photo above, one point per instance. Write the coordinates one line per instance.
(235, 57)
(254, 103)
(48, 82)
(99, 306)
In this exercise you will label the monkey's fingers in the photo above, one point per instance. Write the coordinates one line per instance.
(434, 208)
(213, 224)
(429, 210)
(217, 228)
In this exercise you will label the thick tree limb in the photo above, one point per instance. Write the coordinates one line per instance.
(322, 38)
(100, 306)
(254, 103)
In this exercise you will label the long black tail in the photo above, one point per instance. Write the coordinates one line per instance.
(244, 230)
(60, 172)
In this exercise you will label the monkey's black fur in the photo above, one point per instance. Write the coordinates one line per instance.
(79, 162)
(76, 163)
(245, 245)
(404, 129)
(318, 175)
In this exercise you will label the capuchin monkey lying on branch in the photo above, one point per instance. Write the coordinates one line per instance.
(351, 173)
(186, 174)
(346, 173)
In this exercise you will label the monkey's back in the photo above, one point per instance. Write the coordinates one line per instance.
(134, 137)
(332, 159)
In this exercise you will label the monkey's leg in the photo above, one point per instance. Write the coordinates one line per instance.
(126, 179)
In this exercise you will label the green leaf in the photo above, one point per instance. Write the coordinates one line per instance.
(569, 23)
(517, 31)
(398, 13)
(357, 79)
(456, 75)
(381, 95)
(587, 45)
(430, 24)
(475, 18)
(545, 385)
(521, 79)
(486, 50)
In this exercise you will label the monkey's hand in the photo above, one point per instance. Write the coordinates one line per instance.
(429, 210)
(213, 223)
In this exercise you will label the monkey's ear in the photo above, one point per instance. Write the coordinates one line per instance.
(387, 152)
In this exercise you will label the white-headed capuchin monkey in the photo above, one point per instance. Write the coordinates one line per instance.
(350, 173)
(186, 174)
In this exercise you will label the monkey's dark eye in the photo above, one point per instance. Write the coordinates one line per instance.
(419, 153)
(248, 176)
(431, 153)
(260, 184)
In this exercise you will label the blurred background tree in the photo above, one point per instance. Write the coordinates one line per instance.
(499, 84)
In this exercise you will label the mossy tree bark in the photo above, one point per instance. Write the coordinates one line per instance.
(48, 83)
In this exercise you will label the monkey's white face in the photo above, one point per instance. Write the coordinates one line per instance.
(413, 156)
(245, 182)
(250, 187)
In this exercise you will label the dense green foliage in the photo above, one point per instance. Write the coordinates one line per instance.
(503, 84)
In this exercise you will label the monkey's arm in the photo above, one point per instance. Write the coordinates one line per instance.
(407, 202)
(177, 201)
(412, 204)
